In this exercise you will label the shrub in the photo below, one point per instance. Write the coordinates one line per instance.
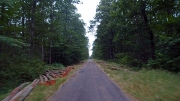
(135, 63)
(18, 69)
(124, 58)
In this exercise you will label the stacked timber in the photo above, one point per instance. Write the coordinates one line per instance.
(21, 92)
(48, 78)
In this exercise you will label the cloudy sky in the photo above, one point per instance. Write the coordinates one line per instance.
(88, 11)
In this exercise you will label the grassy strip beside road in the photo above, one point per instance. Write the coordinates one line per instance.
(42, 92)
(144, 85)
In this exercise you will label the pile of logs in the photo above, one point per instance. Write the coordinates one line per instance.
(48, 78)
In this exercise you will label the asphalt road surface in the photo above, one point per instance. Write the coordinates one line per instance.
(89, 83)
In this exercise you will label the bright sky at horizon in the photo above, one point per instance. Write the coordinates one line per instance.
(88, 11)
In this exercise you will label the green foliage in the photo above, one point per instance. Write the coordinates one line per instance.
(126, 59)
(18, 70)
(53, 66)
(35, 34)
(135, 63)
(146, 30)
(168, 57)
(12, 41)
(57, 65)
(7, 2)
(123, 58)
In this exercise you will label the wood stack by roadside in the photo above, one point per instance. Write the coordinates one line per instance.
(48, 78)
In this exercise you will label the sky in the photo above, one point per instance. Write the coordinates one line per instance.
(88, 11)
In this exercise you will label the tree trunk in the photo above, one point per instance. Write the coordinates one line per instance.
(32, 43)
(50, 51)
(42, 51)
(143, 6)
(23, 25)
(169, 11)
(2, 12)
(2, 20)
(41, 80)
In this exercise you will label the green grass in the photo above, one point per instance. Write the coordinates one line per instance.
(2, 96)
(42, 92)
(6, 89)
(145, 85)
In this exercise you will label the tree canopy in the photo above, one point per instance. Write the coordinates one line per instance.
(138, 32)
(34, 33)
(50, 30)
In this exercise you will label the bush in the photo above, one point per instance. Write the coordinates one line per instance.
(168, 54)
(135, 63)
(54, 65)
(163, 62)
(18, 69)
(57, 65)
(124, 58)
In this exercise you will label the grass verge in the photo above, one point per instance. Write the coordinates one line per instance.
(2, 96)
(144, 85)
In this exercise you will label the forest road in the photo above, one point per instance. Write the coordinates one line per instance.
(89, 83)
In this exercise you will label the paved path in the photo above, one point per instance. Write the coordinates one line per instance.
(89, 83)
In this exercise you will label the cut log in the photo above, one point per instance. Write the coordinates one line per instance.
(69, 69)
(46, 80)
(63, 74)
(17, 96)
(28, 90)
(21, 95)
(14, 92)
(53, 74)
(51, 79)
(41, 82)
(57, 71)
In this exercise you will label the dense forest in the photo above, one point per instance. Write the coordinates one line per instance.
(34, 33)
(138, 33)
